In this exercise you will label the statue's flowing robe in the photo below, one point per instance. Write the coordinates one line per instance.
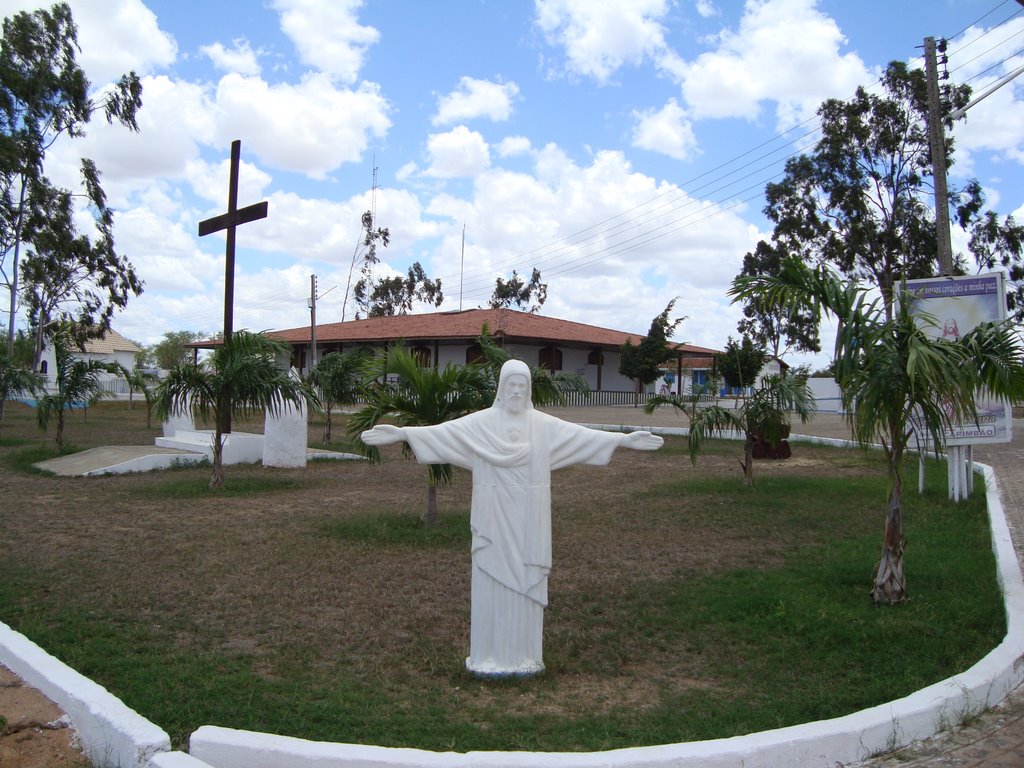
(511, 522)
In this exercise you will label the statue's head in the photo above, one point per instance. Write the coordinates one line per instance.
(514, 389)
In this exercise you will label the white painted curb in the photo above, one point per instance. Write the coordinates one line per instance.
(109, 733)
(176, 760)
(822, 744)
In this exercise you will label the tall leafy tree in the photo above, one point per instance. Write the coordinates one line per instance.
(144, 357)
(389, 296)
(23, 349)
(241, 377)
(642, 362)
(337, 378)
(171, 351)
(401, 391)
(740, 362)
(69, 277)
(365, 255)
(44, 94)
(78, 384)
(519, 293)
(999, 244)
(893, 373)
(862, 200)
(772, 330)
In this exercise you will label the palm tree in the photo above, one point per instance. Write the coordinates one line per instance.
(78, 383)
(893, 374)
(337, 379)
(400, 390)
(141, 381)
(240, 377)
(15, 380)
(765, 415)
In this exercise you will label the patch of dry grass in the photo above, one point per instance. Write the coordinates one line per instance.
(266, 582)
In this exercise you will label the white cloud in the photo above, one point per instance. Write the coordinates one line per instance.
(458, 153)
(241, 58)
(330, 229)
(667, 131)
(209, 181)
(996, 123)
(601, 37)
(164, 252)
(616, 269)
(406, 171)
(705, 8)
(115, 36)
(311, 126)
(511, 146)
(476, 98)
(327, 34)
(175, 119)
(785, 51)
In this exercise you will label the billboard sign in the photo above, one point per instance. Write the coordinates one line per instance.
(957, 305)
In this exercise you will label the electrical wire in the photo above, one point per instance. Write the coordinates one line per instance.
(552, 259)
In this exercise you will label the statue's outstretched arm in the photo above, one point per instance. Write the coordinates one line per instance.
(383, 434)
(642, 441)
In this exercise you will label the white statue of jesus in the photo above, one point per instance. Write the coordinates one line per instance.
(511, 450)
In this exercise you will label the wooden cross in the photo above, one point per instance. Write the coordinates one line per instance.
(229, 221)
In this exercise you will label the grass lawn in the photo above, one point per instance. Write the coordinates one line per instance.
(312, 603)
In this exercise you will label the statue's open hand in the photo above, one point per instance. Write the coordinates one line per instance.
(642, 441)
(382, 434)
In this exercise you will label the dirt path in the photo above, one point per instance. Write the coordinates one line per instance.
(36, 734)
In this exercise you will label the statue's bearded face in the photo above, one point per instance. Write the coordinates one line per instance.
(514, 393)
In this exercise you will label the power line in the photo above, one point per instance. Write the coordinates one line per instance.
(618, 225)
(988, 50)
(983, 17)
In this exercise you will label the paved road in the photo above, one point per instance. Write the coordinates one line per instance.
(996, 738)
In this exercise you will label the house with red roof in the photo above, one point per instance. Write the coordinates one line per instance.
(439, 338)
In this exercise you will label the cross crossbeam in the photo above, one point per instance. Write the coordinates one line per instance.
(234, 217)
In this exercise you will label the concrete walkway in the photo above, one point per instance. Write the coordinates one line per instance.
(110, 459)
(995, 739)
(118, 459)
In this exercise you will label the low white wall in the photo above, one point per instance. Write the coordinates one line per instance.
(827, 397)
(239, 447)
(177, 760)
(109, 733)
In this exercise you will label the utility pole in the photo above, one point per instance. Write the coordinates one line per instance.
(462, 265)
(937, 139)
(312, 322)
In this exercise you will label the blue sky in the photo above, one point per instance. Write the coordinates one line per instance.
(620, 146)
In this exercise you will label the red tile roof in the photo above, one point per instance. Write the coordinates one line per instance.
(510, 324)
(111, 343)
